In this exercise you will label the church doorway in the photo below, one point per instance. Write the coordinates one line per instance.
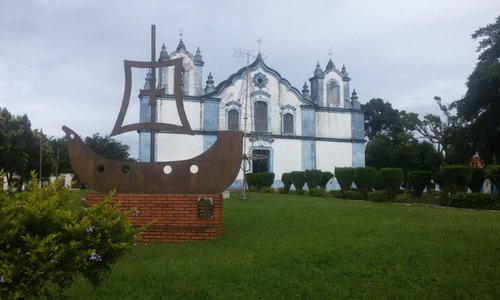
(260, 162)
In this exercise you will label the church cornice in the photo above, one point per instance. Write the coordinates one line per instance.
(259, 62)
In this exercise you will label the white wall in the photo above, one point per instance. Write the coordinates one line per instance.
(333, 154)
(333, 125)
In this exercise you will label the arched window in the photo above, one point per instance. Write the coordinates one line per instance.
(185, 81)
(288, 123)
(260, 116)
(333, 93)
(233, 120)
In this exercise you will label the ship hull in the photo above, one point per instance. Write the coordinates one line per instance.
(211, 172)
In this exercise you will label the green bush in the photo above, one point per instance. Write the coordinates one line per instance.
(250, 178)
(325, 177)
(477, 179)
(286, 178)
(475, 200)
(379, 183)
(298, 180)
(493, 173)
(364, 178)
(268, 190)
(378, 196)
(317, 192)
(418, 181)
(345, 178)
(392, 179)
(45, 243)
(454, 179)
(263, 180)
(312, 178)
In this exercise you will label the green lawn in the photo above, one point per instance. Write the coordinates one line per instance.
(290, 247)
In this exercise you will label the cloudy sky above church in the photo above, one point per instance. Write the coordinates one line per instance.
(61, 61)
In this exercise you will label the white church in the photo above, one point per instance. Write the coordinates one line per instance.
(287, 129)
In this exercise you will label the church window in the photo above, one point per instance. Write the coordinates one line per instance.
(288, 123)
(333, 93)
(233, 120)
(260, 116)
(185, 81)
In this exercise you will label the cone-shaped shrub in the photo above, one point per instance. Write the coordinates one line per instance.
(365, 178)
(392, 179)
(418, 180)
(312, 177)
(298, 180)
(286, 178)
(454, 178)
(345, 178)
(325, 177)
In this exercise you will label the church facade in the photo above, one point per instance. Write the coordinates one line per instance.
(287, 129)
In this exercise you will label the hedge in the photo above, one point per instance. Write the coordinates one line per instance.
(493, 173)
(312, 178)
(418, 180)
(454, 179)
(476, 200)
(392, 179)
(345, 178)
(286, 178)
(365, 178)
(298, 180)
(325, 177)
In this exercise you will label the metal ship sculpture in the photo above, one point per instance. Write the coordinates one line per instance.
(210, 172)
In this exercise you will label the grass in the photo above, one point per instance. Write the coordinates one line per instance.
(290, 247)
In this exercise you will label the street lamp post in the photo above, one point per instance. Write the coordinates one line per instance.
(41, 147)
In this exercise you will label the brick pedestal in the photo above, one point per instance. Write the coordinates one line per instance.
(176, 217)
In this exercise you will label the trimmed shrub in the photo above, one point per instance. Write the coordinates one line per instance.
(325, 177)
(379, 183)
(392, 179)
(250, 178)
(286, 178)
(364, 178)
(454, 179)
(418, 181)
(45, 242)
(477, 179)
(312, 178)
(378, 196)
(264, 180)
(475, 200)
(493, 173)
(298, 180)
(345, 178)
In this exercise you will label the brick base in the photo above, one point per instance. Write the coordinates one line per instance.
(176, 218)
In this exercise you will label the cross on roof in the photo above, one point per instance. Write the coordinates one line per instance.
(259, 41)
(330, 53)
(180, 33)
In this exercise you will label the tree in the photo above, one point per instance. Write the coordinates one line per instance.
(108, 147)
(20, 147)
(381, 118)
(450, 136)
(480, 106)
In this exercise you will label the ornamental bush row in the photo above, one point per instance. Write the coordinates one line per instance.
(259, 180)
(315, 179)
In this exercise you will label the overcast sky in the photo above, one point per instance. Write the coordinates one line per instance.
(61, 61)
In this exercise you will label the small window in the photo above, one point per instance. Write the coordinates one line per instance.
(233, 120)
(260, 116)
(288, 123)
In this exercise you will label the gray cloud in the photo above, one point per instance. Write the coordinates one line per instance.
(61, 61)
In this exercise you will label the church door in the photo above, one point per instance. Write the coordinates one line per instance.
(260, 162)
